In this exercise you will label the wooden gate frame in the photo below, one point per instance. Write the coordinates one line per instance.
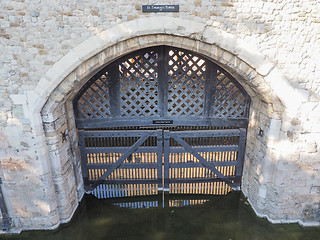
(163, 149)
(233, 182)
(157, 86)
(127, 151)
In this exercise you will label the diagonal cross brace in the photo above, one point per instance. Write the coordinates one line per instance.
(203, 162)
(117, 164)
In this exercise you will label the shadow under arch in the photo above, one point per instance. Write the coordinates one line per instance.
(53, 96)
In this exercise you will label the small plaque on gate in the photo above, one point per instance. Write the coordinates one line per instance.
(162, 121)
(160, 8)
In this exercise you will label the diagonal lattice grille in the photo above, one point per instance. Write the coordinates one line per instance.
(94, 102)
(229, 100)
(162, 81)
(186, 84)
(139, 85)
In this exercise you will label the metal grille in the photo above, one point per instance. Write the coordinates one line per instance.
(161, 83)
(230, 102)
(139, 84)
(186, 83)
(94, 102)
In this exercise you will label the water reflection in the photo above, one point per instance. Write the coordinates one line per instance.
(170, 217)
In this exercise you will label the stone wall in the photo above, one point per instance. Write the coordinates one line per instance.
(50, 48)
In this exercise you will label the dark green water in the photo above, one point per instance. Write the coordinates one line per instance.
(219, 217)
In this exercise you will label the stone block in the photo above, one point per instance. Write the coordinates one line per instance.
(274, 129)
(58, 72)
(212, 35)
(90, 47)
(312, 147)
(249, 53)
(226, 57)
(262, 192)
(293, 97)
(18, 111)
(315, 190)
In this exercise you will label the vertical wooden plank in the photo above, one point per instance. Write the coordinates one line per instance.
(240, 155)
(159, 135)
(165, 81)
(114, 89)
(130, 190)
(210, 88)
(85, 171)
(104, 189)
(166, 152)
(135, 190)
(143, 173)
(162, 81)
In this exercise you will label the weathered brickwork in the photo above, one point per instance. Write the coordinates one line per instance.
(49, 49)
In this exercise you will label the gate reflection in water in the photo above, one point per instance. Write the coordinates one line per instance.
(127, 190)
(185, 217)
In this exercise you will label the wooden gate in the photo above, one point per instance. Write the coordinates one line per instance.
(161, 118)
(127, 163)
(121, 158)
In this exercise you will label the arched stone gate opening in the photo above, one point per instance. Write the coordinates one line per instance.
(61, 84)
(162, 118)
(60, 128)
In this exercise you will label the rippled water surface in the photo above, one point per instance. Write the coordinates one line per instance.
(173, 217)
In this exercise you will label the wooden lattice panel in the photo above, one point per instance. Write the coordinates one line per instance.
(94, 102)
(139, 85)
(163, 82)
(230, 102)
(186, 83)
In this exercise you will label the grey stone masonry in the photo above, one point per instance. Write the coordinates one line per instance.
(50, 48)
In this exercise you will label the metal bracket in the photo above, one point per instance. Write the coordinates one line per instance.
(236, 188)
(261, 132)
(64, 135)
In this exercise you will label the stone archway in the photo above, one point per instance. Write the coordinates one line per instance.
(163, 89)
(53, 119)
